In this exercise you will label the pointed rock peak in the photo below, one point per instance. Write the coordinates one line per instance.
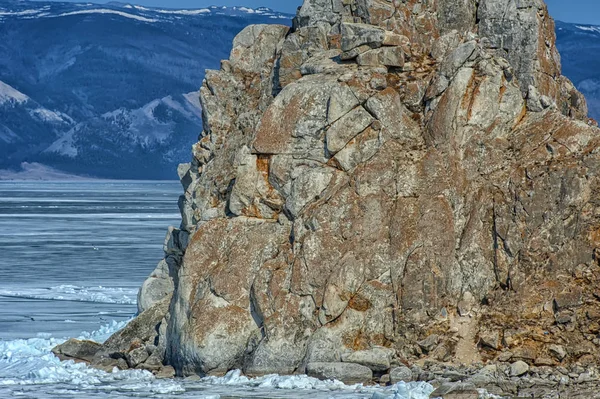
(519, 31)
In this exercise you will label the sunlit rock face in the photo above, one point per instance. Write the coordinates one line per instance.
(388, 181)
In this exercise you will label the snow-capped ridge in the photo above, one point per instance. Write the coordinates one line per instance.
(106, 11)
(10, 94)
(136, 12)
(588, 28)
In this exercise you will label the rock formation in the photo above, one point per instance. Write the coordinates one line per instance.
(388, 182)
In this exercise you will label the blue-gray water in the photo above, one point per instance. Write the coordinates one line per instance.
(92, 242)
(72, 256)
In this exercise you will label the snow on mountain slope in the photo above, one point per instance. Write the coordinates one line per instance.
(10, 94)
(104, 11)
(77, 77)
(18, 109)
(109, 90)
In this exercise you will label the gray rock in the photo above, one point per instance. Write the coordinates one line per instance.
(165, 372)
(490, 339)
(355, 52)
(153, 363)
(356, 35)
(558, 352)
(348, 373)
(108, 365)
(77, 350)
(401, 373)
(377, 359)
(186, 178)
(307, 185)
(346, 128)
(430, 343)
(388, 56)
(518, 368)
(457, 58)
(137, 357)
(139, 333)
(252, 47)
(176, 241)
(514, 32)
(456, 391)
(314, 12)
(157, 287)
(534, 103)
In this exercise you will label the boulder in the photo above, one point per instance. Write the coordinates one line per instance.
(558, 351)
(157, 287)
(75, 349)
(348, 373)
(388, 56)
(356, 35)
(377, 359)
(137, 356)
(130, 343)
(456, 391)
(401, 373)
(518, 368)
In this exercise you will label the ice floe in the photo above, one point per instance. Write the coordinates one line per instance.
(77, 294)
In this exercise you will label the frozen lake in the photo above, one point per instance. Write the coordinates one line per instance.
(73, 255)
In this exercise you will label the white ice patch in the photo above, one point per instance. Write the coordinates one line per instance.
(10, 94)
(31, 362)
(107, 11)
(308, 387)
(77, 294)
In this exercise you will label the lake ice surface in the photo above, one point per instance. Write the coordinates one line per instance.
(73, 257)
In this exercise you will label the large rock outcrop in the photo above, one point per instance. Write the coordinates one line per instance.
(388, 182)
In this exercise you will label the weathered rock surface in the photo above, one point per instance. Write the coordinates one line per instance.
(414, 175)
(157, 287)
(78, 350)
(376, 359)
(401, 373)
(349, 373)
(141, 344)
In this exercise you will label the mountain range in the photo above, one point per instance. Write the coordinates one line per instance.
(111, 90)
(108, 90)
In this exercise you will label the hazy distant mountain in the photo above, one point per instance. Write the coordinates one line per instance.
(108, 90)
(579, 47)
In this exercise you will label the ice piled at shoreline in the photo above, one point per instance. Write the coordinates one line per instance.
(126, 296)
(330, 388)
(29, 364)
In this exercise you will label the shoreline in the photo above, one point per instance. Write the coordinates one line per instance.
(495, 379)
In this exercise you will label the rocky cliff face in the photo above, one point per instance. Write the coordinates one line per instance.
(387, 182)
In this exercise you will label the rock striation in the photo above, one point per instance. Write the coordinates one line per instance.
(388, 183)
